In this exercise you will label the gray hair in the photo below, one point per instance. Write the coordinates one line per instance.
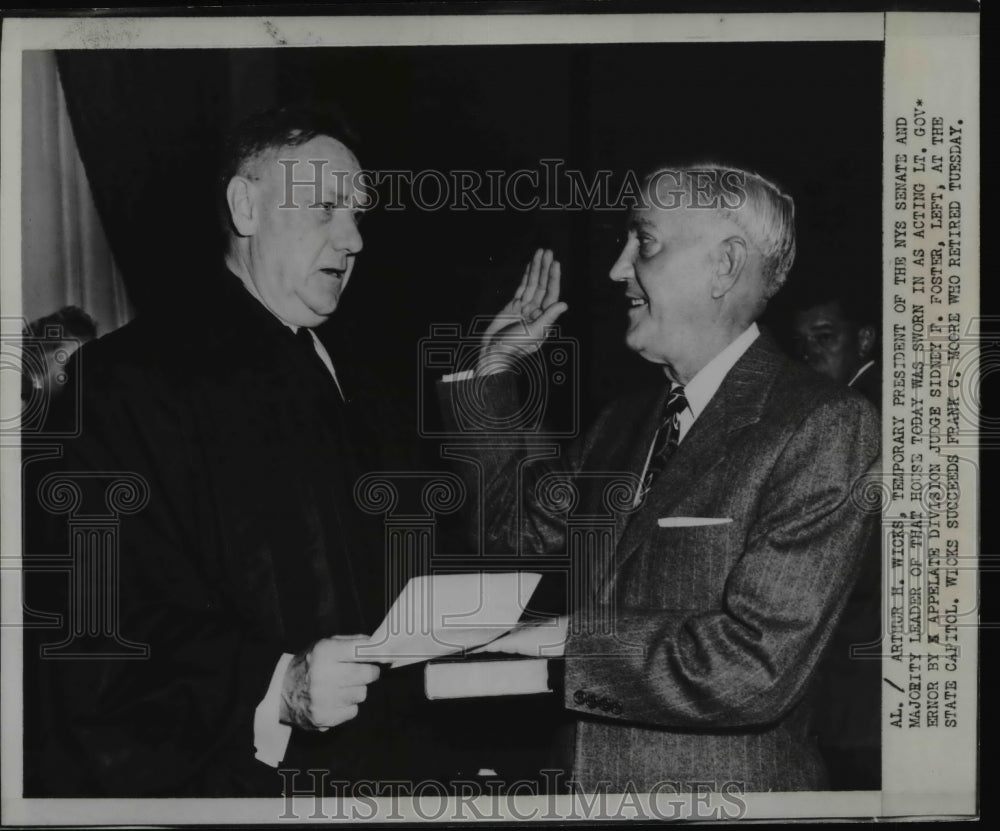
(757, 205)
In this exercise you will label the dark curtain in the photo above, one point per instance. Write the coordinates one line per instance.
(148, 124)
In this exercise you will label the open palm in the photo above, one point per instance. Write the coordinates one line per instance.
(520, 327)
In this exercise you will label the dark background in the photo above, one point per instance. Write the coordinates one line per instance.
(149, 125)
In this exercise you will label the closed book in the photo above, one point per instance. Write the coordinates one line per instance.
(483, 678)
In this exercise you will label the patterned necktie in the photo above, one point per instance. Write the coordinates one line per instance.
(666, 438)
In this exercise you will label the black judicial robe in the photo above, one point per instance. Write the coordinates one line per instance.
(251, 545)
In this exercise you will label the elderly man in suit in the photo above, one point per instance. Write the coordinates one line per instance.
(245, 571)
(746, 530)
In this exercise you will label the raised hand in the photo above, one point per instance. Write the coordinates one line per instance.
(324, 685)
(519, 328)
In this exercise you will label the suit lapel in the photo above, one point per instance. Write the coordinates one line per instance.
(635, 456)
(737, 404)
(620, 446)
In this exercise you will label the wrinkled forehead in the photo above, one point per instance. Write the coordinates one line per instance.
(322, 170)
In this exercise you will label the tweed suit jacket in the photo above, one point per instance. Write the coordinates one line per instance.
(716, 628)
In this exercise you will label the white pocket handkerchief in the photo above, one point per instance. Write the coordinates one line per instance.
(691, 521)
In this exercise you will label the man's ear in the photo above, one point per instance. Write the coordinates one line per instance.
(732, 257)
(241, 198)
(866, 342)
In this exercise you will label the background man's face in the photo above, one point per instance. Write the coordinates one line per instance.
(828, 342)
(666, 266)
(303, 250)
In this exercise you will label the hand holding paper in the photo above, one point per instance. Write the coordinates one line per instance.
(324, 685)
(442, 614)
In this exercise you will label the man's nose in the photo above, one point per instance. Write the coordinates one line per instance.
(622, 268)
(345, 234)
(811, 351)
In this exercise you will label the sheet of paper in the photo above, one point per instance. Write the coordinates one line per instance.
(441, 614)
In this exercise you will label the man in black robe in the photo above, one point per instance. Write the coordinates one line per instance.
(212, 626)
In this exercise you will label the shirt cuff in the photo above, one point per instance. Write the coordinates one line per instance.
(464, 375)
(270, 736)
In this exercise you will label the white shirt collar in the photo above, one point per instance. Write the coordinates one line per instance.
(700, 389)
(860, 372)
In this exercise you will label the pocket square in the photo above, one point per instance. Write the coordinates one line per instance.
(691, 521)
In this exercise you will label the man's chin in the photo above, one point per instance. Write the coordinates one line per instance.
(828, 372)
(646, 348)
(321, 307)
(634, 339)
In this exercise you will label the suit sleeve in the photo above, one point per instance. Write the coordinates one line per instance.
(746, 663)
(509, 466)
(179, 721)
